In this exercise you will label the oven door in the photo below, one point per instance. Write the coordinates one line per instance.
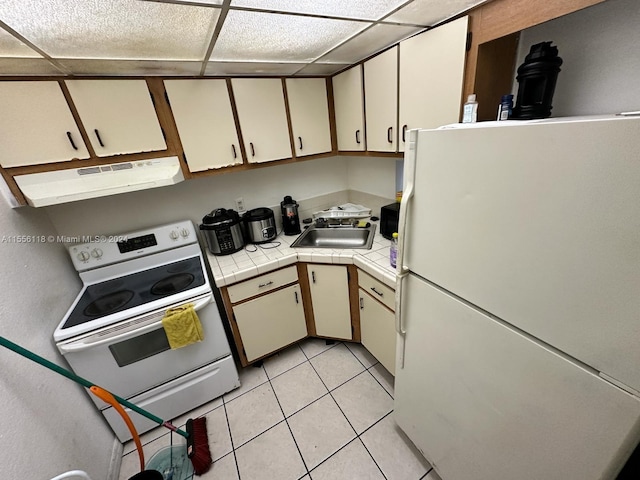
(134, 355)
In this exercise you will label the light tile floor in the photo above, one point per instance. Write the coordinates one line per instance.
(312, 412)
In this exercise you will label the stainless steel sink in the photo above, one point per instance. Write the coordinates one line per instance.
(342, 237)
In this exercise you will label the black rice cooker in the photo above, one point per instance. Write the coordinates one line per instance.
(223, 231)
(260, 225)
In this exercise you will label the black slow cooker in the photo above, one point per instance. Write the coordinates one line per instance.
(223, 231)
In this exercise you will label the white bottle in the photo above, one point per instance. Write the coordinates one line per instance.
(470, 110)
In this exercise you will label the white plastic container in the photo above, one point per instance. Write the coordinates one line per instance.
(470, 110)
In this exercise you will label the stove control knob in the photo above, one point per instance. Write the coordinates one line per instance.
(96, 253)
(184, 232)
(174, 235)
(83, 256)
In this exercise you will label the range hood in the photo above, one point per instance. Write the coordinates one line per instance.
(61, 186)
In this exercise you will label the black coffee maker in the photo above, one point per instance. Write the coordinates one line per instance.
(290, 219)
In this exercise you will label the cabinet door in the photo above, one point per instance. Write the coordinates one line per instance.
(431, 77)
(271, 322)
(309, 115)
(263, 118)
(349, 107)
(118, 115)
(381, 100)
(377, 331)
(36, 125)
(204, 118)
(330, 298)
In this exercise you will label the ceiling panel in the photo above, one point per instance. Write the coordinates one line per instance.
(362, 9)
(122, 29)
(12, 47)
(430, 12)
(252, 68)
(322, 69)
(367, 43)
(130, 67)
(27, 66)
(264, 37)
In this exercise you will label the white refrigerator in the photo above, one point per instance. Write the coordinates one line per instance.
(518, 298)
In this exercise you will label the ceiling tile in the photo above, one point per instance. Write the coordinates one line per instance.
(322, 69)
(264, 37)
(27, 66)
(252, 68)
(362, 9)
(428, 12)
(130, 67)
(10, 46)
(120, 29)
(367, 43)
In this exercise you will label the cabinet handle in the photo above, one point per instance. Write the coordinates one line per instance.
(253, 151)
(361, 303)
(389, 132)
(98, 137)
(313, 276)
(377, 292)
(300, 140)
(404, 132)
(233, 149)
(358, 137)
(296, 295)
(71, 141)
(265, 284)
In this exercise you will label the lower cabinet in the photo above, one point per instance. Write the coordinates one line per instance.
(377, 320)
(329, 287)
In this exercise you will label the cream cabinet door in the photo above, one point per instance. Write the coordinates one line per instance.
(377, 331)
(36, 125)
(263, 118)
(203, 115)
(271, 322)
(118, 115)
(381, 101)
(329, 286)
(349, 108)
(309, 115)
(431, 77)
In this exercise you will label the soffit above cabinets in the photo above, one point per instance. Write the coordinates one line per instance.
(206, 37)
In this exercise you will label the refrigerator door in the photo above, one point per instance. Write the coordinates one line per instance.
(484, 402)
(539, 224)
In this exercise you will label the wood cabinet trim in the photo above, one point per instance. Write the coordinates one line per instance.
(234, 327)
(354, 304)
(306, 299)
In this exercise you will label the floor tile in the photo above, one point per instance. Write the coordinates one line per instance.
(297, 388)
(336, 366)
(394, 453)
(283, 361)
(363, 401)
(362, 354)
(432, 475)
(224, 468)
(353, 462)
(146, 438)
(250, 377)
(272, 455)
(315, 346)
(384, 377)
(320, 430)
(131, 462)
(252, 413)
(218, 433)
(198, 412)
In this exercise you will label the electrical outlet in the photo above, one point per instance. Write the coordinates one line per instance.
(240, 204)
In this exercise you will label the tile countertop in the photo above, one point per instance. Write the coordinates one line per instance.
(255, 260)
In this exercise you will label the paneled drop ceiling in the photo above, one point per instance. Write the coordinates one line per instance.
(206, 37)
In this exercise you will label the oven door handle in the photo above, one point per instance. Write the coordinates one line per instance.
(81, 345)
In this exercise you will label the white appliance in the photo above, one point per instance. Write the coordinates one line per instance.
(518, 299)
(112, 335)
(61, 186)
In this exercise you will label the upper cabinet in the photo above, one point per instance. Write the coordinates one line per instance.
(431, 77)
(309, 111)
(381, 101)
(207, 129)
(36, 125)
(263, 118)
(118, 116)
(349, 107)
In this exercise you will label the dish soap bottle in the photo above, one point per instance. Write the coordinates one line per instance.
(470, 110)
(393, 251)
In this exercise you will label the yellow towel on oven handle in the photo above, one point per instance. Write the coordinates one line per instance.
(182, 326)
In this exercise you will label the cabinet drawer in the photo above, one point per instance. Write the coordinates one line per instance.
(262, 284)
(377, 289)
